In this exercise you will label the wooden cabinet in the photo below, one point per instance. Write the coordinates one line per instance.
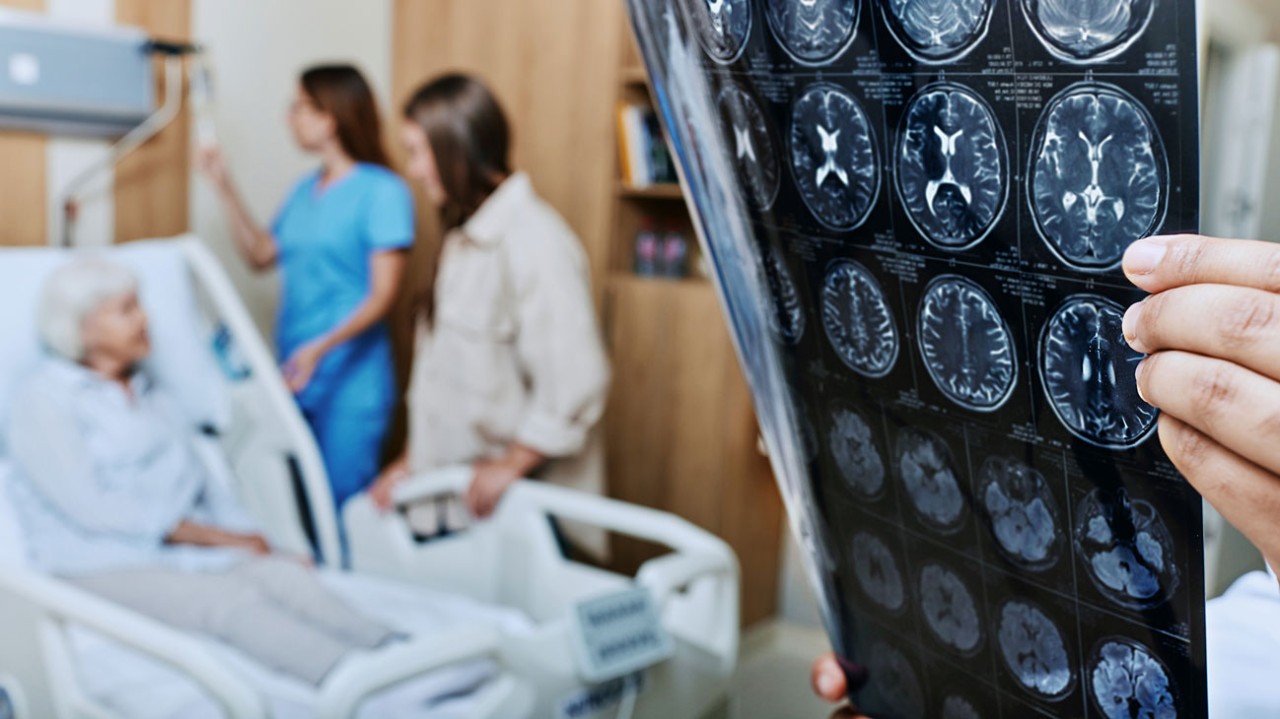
(682, 434)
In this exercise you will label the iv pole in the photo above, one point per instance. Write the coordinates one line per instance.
(139, 135)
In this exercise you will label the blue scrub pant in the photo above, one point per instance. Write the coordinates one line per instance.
(351, 445)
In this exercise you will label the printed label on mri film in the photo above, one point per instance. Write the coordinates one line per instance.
(916, 212)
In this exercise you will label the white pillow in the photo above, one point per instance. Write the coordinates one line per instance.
(182, 359)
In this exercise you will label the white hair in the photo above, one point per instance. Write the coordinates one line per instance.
(72, 293)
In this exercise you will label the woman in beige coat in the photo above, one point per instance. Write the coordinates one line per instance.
(510, 373)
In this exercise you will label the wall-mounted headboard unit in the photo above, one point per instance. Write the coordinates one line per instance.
(62, 78)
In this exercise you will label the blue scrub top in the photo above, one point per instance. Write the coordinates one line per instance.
(326, 238)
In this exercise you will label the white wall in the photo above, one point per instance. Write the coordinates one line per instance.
(66, 157)
(258, 49)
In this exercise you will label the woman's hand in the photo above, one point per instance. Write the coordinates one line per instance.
(1212, 330)
(394, 474)
(209, 160)
(251, 543)
(491, 481)
(828, 682)
(301, 367)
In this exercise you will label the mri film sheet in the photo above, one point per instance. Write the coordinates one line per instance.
(916, 211)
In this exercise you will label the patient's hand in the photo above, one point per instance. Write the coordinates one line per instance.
(202, 535)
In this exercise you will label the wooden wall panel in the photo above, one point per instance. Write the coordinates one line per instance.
(553, 65)
(151, 185)
(23, 217)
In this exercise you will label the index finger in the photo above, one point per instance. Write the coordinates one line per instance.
(1156, 264)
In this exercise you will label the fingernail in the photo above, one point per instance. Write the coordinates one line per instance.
(1130, 324)
(1137, 376)
(828, 683)
(1142, 257)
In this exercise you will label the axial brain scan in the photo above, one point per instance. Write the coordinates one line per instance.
(877, 572)
(952, 174)
(834, 157)
(857, 319)
(966, 345)
(1098, 178)
(929, 474)
(723, 26)
(1021, 512)
(1088, 374)
(1128, 682)
(949, 609)
(1086, 31)
(1127, 549)
(752, 147)
(1034, 651)
(813, 32)
(935, 31)
(854, 449)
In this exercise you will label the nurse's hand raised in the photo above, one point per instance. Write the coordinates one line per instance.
(1212, 329)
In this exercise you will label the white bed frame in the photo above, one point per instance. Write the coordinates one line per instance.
(510, 560)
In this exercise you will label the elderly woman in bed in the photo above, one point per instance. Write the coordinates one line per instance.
(112, 498)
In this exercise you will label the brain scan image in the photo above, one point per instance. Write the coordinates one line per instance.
(949, 610)
(854, 449)
(928, 472)
(833, 156)
(1021, 512)
(1098, 178)
(877, 572)
(723, 26)
(1087, 31)
(787, 318)
(1128, 682)
(1034, 651)
(955, 707)
(935, 31)
(857, 319)
(752, 145)
(1127, 549)
(1087, 370)
(952, 169)
(896, 682)
(813, 32)
(966, 345)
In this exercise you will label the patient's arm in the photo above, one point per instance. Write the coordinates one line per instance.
(255, 243)
(48, 449)
(201, 535)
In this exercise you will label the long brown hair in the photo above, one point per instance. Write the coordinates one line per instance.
(470, 138)
(341, 91)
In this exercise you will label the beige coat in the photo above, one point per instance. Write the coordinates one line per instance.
(515, 353)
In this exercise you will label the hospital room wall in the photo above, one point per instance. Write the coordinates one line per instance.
(257, 50)
(144, 197)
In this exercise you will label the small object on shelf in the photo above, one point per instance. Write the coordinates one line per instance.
(643, 154)
(646, 251)
(675, 255)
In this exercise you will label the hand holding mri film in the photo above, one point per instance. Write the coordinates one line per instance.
(1212, 330)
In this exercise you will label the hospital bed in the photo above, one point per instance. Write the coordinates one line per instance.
(489, 606)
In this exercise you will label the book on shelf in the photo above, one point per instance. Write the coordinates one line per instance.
(644, 157)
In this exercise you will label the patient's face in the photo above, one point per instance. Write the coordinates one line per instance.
(117, 330)
(420, 163)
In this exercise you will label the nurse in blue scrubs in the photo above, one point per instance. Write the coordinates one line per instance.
(340, 242)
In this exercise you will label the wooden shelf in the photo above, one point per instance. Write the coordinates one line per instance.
(662, 191)
(625, 277)
(635, 75)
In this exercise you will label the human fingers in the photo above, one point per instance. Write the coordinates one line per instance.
(1156, 264)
